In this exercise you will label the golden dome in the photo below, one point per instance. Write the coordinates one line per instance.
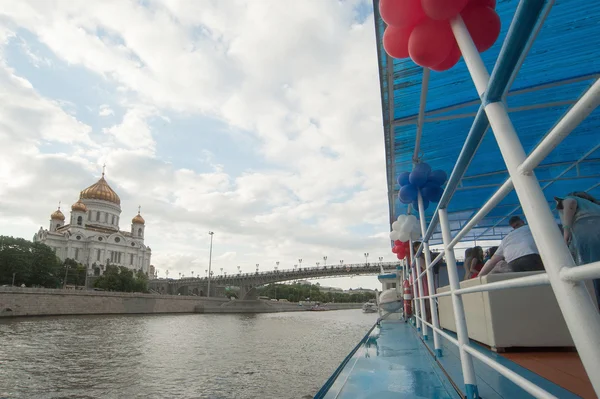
(101, 191)
(57, 215)
(138, 219)
(78, 207)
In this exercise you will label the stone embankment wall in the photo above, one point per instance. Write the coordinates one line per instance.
(48, 302)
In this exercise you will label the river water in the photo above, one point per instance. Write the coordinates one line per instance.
(263, 356)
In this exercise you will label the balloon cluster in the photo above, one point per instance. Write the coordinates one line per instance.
(405, 228)
(420, 29)
(422, 178)
(401, 249)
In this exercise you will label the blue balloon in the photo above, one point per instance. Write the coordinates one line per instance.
(403, 179)
(420, 173)
(415, 204)
(432, 192)
(408, 194)
(438, 177)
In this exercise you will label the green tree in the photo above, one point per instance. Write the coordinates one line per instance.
(33, 264)
(120, 278)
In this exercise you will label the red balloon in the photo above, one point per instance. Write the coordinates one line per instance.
(485, 3)
(401, 13)
(450, 61)
(395, 41)
(483, 24)
(398, 243)
(443, 9)
(395, 249)
(430, 43)
(400, 257)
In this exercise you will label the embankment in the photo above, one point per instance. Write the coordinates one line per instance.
(16, 302)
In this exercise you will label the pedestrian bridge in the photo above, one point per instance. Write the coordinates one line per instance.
(248, 282)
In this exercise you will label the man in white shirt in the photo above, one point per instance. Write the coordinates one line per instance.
(518, 249)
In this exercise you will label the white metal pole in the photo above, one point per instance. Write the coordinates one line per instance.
(420, 117)
(459, 311)
(575, 302)
(209, 262)
(430, 284)
(414, 287)
(421, 300)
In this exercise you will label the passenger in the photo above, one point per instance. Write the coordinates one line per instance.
(476, 262)
(467, 264)
(580, 216)
(518, 249)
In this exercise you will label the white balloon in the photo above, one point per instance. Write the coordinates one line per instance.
(396, 226)
(401, 218)
(414, 235)
(412, 219)
(394, 235)
(416, 228)
(404, 236)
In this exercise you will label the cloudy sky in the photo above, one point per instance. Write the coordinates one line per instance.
(254, 119)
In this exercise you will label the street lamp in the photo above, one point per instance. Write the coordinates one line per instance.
(324, 260)
(221, 270)
(318, 264)
(367, 258)
(225, 274)
(205, 272)
(300, 262)
(239, 270)
(211, 233)
(276, 265)
(257, 268)
(341, 262)
(167, 273)
(192, 274)
(179, 275)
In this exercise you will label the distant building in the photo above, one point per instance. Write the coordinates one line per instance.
(359, 291)
(92, 237)
(331, 289)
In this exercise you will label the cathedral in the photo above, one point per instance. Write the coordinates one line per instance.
(92, 236)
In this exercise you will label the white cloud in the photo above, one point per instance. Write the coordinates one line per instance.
(302, 80)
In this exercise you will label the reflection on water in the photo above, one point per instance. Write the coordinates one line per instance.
(279, 355)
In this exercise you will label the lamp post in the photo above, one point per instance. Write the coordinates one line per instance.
(239, 270)
(276, 265)
(300, 262)
(341, 262)
(205, 272)
(211, 233)
(192, 274)
(381, 264)
(167, 273)
(318, 264)
(180, 275)
(324, 260)
(367, 258)
(221, 270)
(257, 268)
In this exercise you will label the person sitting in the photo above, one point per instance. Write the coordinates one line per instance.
(518, 249)
(580, 216)
(476, 262)
(467, 264)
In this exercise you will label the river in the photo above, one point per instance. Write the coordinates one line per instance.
(224, 356)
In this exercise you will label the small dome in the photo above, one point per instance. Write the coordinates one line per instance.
(78, 207)
(138, 219)
(57, 215)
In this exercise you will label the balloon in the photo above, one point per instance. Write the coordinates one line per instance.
(403, 179)
(401, 13)
(395, 41)
(425, 204)
(395, 249)
(400, 257)
(483, 24)
(443, 9)
(398, 243)
(394, 235)
(438, 177)
(430, 43)
(485, 3)
(418, 176)
(431, 192)
(414, 235)
(450, 61)
(408, 194)
(396, 226)
(412, 219)
(404, 236)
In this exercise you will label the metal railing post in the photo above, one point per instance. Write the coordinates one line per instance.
(430, 284)
(459, 311)
(414, 288)
(575, 302)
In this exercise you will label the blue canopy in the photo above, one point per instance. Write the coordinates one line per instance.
(562, 63)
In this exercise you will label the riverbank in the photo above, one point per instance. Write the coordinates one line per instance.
(17, 302)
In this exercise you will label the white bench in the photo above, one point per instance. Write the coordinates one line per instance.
(515, 317)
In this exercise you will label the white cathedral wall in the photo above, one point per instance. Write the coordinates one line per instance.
(102, 213)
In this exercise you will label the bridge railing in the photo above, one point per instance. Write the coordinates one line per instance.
(301, 271)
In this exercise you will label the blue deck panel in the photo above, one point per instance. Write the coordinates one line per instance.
(392, 363)
(492, 384)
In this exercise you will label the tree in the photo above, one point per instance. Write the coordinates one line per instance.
(32, 264)
(74, 271)
(122, 279)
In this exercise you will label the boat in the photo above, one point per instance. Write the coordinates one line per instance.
(369, 307)
(390, 301)
(318, 308)
(513, 127)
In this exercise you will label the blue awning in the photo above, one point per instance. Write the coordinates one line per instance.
(562, 63)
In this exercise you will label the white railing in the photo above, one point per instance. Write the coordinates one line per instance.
(580, 313)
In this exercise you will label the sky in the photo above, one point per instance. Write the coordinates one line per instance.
(253, 119)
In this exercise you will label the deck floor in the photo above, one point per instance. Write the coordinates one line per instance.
(562, 368)
(393, 363)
